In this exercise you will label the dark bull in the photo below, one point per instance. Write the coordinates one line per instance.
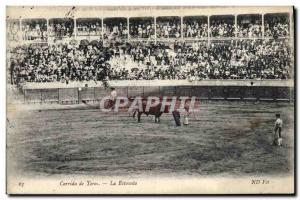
(157, 112)
(154, 110)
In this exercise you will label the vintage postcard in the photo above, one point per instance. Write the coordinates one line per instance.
(150, 100)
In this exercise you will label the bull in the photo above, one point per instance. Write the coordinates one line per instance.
(153, 110)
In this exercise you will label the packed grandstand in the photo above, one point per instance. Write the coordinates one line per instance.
(246, 46)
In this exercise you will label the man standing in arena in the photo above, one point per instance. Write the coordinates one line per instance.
(278, 127)
(113, 97)
(186, 117)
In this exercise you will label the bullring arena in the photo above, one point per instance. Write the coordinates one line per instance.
(237, 62)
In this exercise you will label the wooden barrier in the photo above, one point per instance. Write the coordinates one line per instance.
(151, 91)
(135, 91)
(50, 95)
(76, 95)
(33, 96)
(68, 95)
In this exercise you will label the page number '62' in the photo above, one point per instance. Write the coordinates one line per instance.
(21, 184)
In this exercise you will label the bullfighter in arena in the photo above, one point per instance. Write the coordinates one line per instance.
(113, 97)
(278, 126)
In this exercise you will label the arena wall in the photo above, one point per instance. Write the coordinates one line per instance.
(209, 90)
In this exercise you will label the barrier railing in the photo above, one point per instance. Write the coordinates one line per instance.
(76, 95)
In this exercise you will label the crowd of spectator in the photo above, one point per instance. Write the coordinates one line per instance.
(195, 28)
(35, 31)
(114, 59)
(241, 59)
(276, 26)
(222, 27)
(115, 30)
(250, 30)
(13, 30)
(248, 26)
(60, 62)
(143, 29)
(61, 28)
(168, 28)
(89, 28)
(246, 59)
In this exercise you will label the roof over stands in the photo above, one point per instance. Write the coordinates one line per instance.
(134, 11)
